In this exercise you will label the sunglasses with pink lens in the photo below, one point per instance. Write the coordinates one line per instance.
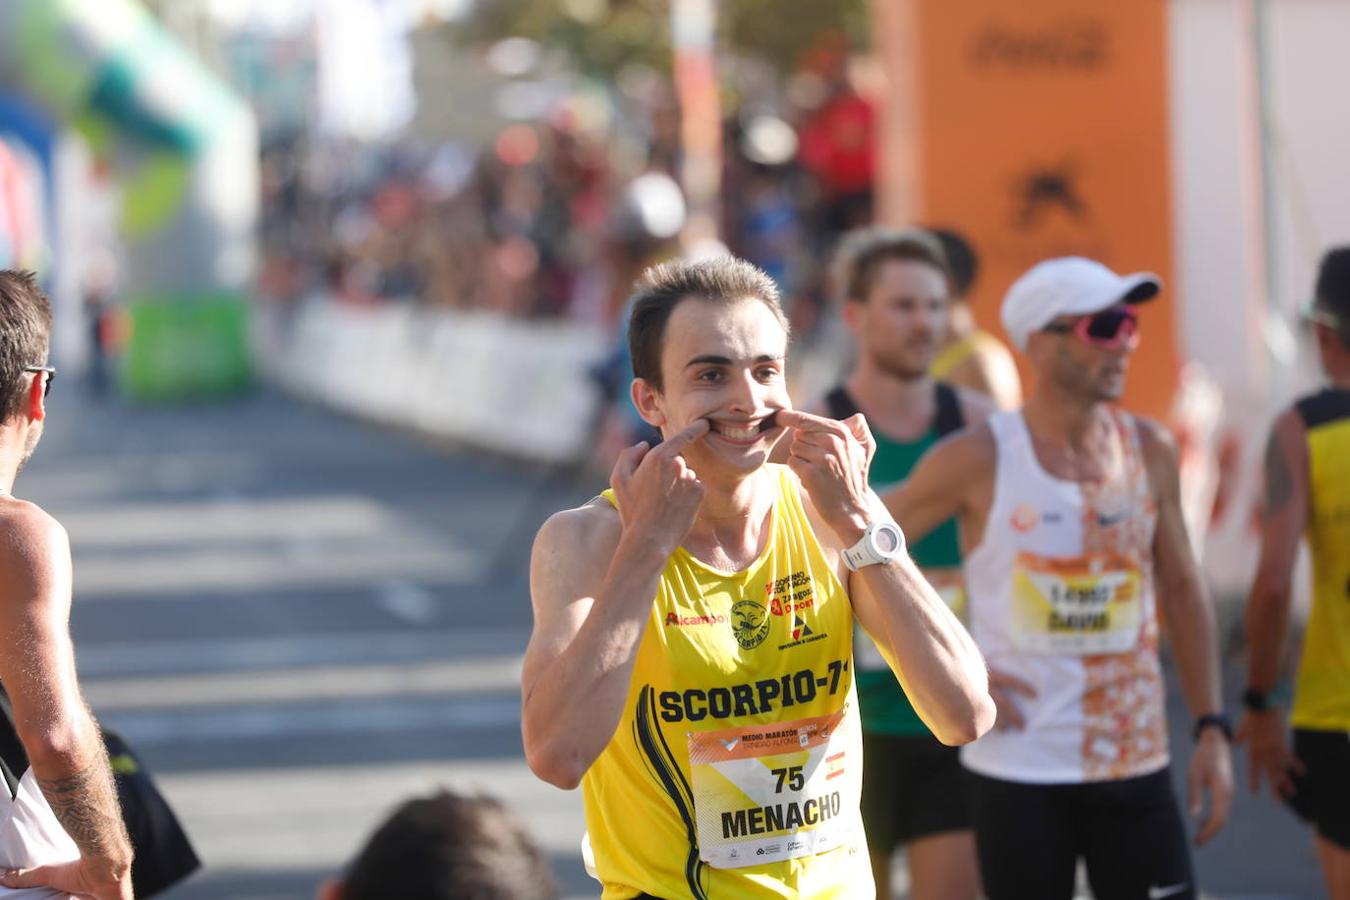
(1111, 329)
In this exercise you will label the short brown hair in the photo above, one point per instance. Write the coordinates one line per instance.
(861, 252)
(25, 335)
(448, 847)
(722, 280)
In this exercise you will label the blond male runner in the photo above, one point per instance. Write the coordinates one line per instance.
(61, 830)
(1073, 542)
(691, 662)
(1308, 493)
(971, 357)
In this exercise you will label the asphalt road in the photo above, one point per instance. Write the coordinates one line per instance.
(299, 621)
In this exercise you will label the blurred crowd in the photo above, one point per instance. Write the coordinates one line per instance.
(554, 218)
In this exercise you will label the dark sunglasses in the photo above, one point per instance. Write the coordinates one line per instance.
(1110, 329)
(51, 376)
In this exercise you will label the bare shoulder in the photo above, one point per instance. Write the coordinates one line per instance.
(29, 533)
(1289, 425)
(1156, 440)
(585, 531)
(1162, 459)
(975, 405)
(972, 448)
(34, 550)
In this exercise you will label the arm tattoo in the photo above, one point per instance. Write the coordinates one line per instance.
(85, 803)
(1279, 480)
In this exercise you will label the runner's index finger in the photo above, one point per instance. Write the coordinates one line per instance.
(681, 439)
(802, 421)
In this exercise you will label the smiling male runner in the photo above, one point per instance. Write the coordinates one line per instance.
(691, 662)
(1073, 542)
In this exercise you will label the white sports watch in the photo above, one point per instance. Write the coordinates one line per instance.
(882, 542)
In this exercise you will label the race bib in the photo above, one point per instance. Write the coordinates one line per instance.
(1084, 605)
(950, 586)
(768, 793)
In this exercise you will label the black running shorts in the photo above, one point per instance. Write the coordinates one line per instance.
(1029, 838)
(1322, 793)
(913, 786)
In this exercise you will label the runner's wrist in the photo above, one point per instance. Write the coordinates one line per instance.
(646, 547)
(852, 524)
(1211, 726)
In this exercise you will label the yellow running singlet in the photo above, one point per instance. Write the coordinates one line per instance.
(1322, 696)
(736, 769)
(958, 352)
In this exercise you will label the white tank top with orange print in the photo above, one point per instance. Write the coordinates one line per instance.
(1061, 596)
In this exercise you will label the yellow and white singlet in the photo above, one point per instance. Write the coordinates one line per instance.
(736, 768)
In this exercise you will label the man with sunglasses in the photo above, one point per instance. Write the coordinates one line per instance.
(1073, 543)
(61, 830)
(1307, 492)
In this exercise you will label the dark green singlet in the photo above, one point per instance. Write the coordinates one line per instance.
(884, 706)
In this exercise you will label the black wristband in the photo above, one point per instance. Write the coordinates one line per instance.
(1213, 720)
(1255, 700)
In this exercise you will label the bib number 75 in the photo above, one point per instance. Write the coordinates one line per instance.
(792, 775)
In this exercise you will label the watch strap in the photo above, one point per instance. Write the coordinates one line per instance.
(1255, 700)
(1213, 720)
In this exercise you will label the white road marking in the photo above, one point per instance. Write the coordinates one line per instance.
(455, 677)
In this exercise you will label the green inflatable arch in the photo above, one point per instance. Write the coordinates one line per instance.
(185, 150)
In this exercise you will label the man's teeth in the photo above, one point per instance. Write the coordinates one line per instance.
(740, 434)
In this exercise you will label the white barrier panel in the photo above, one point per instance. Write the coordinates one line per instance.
(509, 386)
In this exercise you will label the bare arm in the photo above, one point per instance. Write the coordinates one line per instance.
(1182, 597)
(37, 666)
(592, 596)
(1283, 515)
(933, 656)
(1185, 606)
(593, 578)
(943, 485)
(929, 650)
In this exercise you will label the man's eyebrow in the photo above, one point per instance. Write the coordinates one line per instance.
(711, 360)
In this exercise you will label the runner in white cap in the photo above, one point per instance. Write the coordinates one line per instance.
(1072, 532)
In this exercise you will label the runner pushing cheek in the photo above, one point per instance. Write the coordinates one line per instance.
(691, 662)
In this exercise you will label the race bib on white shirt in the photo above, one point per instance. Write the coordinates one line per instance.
(768, 793)
(1081, 605)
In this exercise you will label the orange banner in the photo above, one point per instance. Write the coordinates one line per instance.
(1037, 129)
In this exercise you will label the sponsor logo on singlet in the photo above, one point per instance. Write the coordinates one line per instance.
(1024, 518)
(675, 620)
(754, 697)
(802, 633)
(750, 623)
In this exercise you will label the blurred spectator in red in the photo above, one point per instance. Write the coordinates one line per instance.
(839, 143)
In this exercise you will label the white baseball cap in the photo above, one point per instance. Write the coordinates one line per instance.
(1069, 286)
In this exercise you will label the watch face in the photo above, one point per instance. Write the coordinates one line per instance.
(887, 539)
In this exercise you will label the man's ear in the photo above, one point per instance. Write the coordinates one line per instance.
(649, 403)
(37, 391)
(329, 889)
(851, 312)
